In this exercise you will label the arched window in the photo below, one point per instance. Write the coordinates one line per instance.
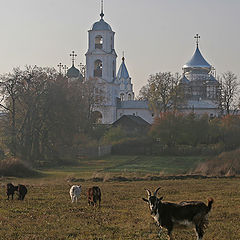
(98, 42)
(98, 68)
(122, 96)
(129, 96)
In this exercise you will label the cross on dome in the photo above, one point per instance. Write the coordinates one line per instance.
(60, 67)
(65, 68)
(197, 37)
(73, 55)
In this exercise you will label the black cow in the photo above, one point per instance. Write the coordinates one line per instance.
(187, 213)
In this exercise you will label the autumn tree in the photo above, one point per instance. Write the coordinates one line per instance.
(167, 128)
(162, 92)
(45, 112)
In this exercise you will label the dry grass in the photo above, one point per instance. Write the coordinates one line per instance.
(47, 212)
(225, 164)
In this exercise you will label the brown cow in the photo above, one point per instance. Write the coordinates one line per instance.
(94, 195)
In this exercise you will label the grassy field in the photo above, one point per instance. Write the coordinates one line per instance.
(127, 165)
(47, 212)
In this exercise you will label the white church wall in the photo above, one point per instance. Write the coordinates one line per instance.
(109, 114)
(201, 112)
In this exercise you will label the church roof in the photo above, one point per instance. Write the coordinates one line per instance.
(197, 62)
(123, 72)
(101, 25)
(73, 72)
(135, 120)
(184, 80)
(202, 104)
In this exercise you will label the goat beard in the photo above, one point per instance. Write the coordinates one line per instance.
(156, 218)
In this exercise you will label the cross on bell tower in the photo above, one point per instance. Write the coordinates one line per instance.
(73, 55)
(197, 37)
(102, 14)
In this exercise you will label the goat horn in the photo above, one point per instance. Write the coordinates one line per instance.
(148, 192)
(155, 193)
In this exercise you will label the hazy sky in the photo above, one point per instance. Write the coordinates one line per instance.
(156, 35)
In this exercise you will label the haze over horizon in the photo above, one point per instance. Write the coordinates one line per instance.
(156, 35)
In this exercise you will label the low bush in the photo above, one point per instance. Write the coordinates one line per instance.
(12, 167)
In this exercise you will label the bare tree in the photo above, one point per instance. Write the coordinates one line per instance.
(9, 85)
(228, 91)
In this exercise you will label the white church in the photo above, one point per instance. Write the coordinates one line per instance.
(198, 81)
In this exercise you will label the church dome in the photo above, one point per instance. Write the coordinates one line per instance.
(123, 72)
(101, 25)
(73, 72)
(197, 63)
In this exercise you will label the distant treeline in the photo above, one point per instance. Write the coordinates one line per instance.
(180, 134)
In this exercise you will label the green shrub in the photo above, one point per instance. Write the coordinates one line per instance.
(114, 135)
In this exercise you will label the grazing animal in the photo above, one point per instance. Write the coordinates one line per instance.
(75, 192)
(170, 215)
(11, 189)
(22, 191)
(94, 195)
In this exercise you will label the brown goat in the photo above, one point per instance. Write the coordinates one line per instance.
(94, 195)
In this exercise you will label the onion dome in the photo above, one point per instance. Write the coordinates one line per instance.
(101, 24)
(73, 72)
(123, 72)
(197, 63)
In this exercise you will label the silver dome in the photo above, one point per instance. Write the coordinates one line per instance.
(197, 62)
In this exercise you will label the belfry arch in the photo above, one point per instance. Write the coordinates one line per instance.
(98, 68)
(98, 42)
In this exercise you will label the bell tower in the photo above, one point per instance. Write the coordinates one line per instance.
(101, 65)
(101, 56)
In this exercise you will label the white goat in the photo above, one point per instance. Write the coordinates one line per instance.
(75, 192)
